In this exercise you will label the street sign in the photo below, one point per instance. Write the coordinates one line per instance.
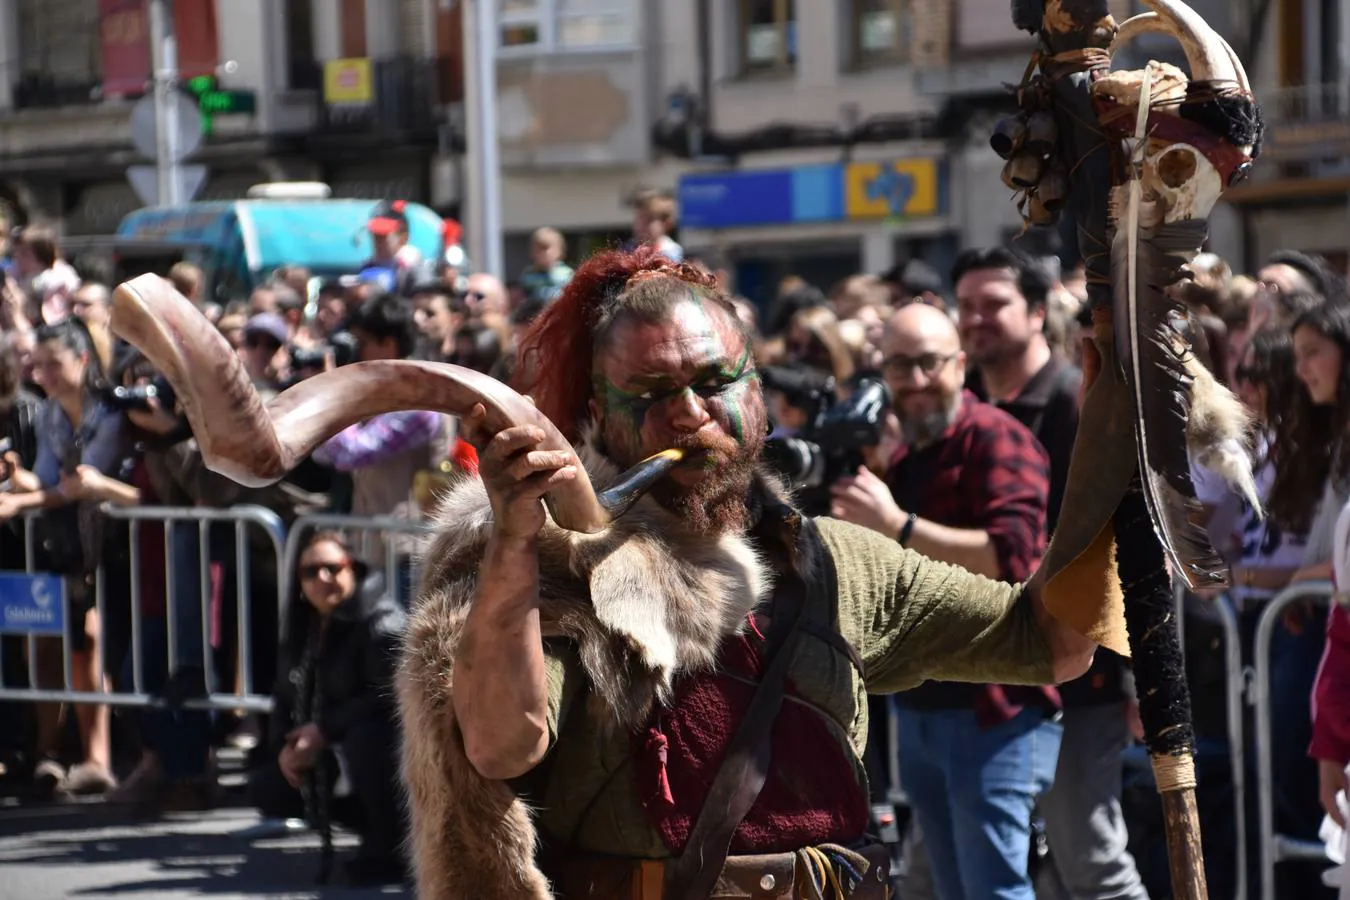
(144, 133)
(145, 180)
(32, 604)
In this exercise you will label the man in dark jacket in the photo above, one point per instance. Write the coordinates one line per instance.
(1001, 298)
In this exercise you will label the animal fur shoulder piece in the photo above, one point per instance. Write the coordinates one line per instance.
(642, 601)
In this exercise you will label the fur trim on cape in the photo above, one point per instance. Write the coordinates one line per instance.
(642, 601)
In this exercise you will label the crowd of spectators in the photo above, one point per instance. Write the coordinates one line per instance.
(967, 464)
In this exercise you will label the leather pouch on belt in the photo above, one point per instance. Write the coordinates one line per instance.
(759, 876)
(780, 875)
(1081, 587)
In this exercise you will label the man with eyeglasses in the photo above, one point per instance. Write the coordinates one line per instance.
(969, 486)
(484, 295)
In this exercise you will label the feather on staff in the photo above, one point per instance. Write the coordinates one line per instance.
(1158, 222)
(1181, 411)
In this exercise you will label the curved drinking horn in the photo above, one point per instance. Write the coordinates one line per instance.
(1205, 52)
(1152, 23)
(256, 444)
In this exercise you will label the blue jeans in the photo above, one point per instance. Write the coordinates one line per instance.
(972, 790)
(186, 597)
(180, 738)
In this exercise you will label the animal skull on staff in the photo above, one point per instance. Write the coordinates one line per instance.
(1139, 159)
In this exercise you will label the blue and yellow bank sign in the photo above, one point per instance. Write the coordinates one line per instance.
(893, 190)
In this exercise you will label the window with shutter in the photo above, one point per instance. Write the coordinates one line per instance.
(59, 41)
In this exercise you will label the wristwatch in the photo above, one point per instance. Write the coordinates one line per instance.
(907, 529)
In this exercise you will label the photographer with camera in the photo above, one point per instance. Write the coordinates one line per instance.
(82, 458)
(969, 486)
(168, 471)
(818, 438)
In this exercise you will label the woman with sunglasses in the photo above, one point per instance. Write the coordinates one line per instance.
(335, 708)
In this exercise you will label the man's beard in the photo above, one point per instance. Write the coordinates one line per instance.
(920, 431)
(718, 503)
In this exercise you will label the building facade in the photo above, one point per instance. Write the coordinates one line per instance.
(824, 137)
(814, 137)
(1299, 195)
(259, 72)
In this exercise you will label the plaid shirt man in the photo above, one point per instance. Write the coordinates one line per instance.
(986, 472)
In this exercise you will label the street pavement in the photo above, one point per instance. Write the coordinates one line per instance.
(89, 850)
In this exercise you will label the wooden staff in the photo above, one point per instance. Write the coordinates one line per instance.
(1063, 156)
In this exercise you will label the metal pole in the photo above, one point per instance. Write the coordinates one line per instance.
(489, 218)
(164, 53)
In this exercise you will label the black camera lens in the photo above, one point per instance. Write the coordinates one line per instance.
(136, 397)
(798, 460)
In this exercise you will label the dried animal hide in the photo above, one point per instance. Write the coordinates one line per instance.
(642, 601)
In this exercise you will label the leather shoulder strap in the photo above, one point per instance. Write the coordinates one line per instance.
(746, 766)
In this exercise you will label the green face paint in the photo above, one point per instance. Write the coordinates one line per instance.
(726, 388)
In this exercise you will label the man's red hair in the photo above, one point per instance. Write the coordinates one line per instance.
(555, 356)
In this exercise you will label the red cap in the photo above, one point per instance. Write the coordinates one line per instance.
(389, 218)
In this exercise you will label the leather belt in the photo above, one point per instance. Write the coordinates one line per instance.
(772, 876)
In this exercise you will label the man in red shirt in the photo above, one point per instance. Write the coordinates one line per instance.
(970, 486)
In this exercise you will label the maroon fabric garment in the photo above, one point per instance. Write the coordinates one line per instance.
(150, 543)
(989, 472)
(1331, 693)
(811, 796)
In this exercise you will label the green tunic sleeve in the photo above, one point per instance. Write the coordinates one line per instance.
(912, 619)
(562, 668)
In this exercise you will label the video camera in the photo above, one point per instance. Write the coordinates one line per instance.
(342, 345)
(831, 442)
(138, 396)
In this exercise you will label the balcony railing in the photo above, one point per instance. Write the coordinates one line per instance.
(38, 90)
(1306, 103)
(1308, 124)
(407, 95)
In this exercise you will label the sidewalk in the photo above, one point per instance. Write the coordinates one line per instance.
(72, 850)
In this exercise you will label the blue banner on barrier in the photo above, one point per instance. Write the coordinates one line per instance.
(32, 604)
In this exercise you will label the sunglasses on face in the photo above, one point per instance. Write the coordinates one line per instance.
(332, 570)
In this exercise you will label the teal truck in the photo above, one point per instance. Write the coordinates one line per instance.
(238, 244)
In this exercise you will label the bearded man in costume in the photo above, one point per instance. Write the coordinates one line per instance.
(594, 686)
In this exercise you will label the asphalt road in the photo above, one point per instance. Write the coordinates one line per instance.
(91, 850)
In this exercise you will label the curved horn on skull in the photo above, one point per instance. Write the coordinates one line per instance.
(256, 444)
(1209, 59)
(1152, 23)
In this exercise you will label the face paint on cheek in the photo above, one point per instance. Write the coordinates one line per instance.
(623, 414)
(733, 402)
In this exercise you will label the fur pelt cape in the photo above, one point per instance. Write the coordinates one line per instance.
(642, 601)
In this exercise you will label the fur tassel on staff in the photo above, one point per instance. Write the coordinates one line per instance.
(1148, 154)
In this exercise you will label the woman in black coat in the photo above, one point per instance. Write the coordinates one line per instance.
(334, 700)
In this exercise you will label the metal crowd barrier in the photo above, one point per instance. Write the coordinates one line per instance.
(1236, 695)
(171, 518)
(1276, 848)
(286, 545)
